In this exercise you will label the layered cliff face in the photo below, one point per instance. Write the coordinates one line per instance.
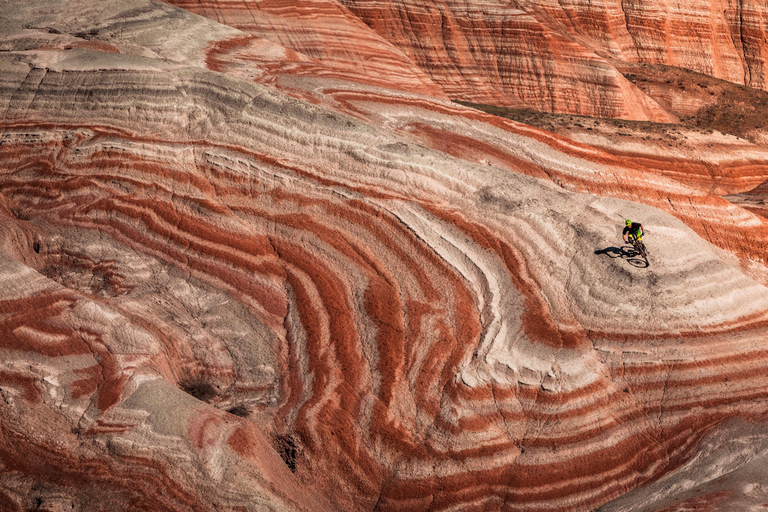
(237, 275)
(568, 56)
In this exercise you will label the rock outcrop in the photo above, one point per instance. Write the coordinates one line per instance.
(568, 56)
(236, 275)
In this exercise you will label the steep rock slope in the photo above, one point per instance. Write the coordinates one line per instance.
(202, 275)
(565, 56)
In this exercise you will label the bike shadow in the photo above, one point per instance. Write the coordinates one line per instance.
(626, 252)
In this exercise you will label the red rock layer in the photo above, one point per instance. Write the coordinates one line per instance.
(385, 389)
(468, 135)
(383, 407)
(328, 40)
(557, 56)
(409, 329)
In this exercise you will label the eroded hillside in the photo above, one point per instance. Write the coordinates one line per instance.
(261, 261)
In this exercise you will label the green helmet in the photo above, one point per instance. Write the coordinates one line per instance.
(628, 222)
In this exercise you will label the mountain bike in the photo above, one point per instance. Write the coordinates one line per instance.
(639, 248)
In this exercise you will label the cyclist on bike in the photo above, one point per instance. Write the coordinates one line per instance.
(632, 231)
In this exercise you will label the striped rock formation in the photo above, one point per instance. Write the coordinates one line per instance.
(556, 56)
(329, 42)
(568, 56)
(226, 286)
(473, 52)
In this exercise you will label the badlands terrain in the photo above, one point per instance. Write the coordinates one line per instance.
(357, 255)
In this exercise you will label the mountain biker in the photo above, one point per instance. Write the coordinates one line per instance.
(632, 231)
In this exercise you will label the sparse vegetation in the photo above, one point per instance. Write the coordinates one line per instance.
(723, 106)
(564, 122)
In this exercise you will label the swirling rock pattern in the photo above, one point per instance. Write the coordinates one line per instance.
(570, 57)
(223, 289)
(323, 39)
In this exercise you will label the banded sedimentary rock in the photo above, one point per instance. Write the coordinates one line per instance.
(381, 301)
(329, 42)
(507, 54)
(565, 56)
